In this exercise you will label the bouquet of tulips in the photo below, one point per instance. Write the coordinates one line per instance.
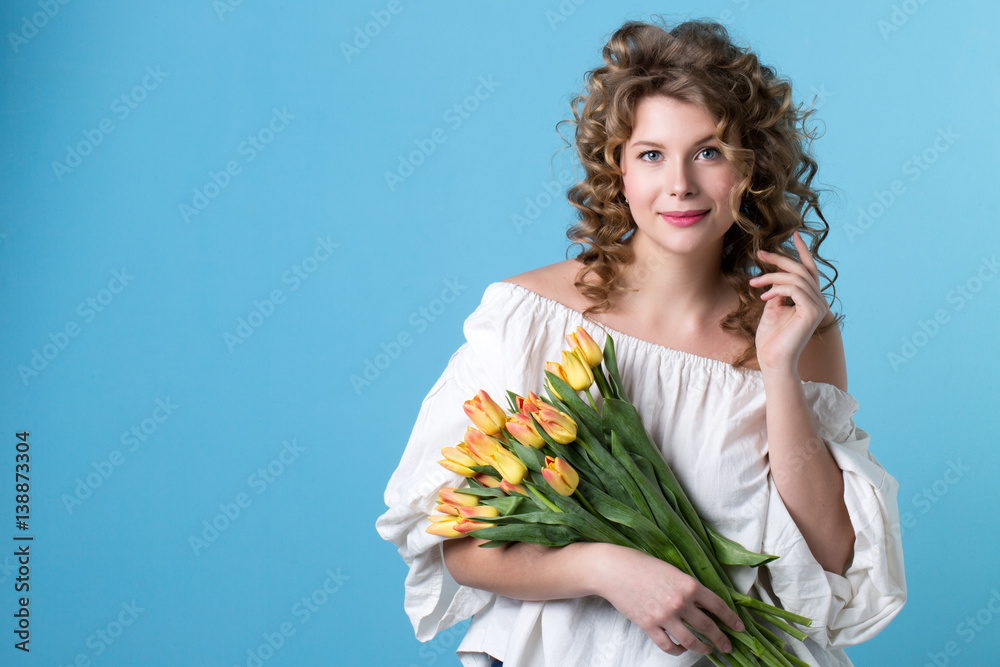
(563, 470)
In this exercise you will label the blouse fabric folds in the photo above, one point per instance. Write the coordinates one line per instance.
(708, 420)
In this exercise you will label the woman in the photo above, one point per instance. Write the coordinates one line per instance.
(697, 181)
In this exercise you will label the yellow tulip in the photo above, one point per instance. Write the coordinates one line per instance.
(510, 489)
(465, 526)
(559, 372)
(478, 511)
(446, 509)
(578, 373)
(559, 425)
(452, 496)
(508, 465)
(444, 525)
(560, 476)
(530, 404)
(457, 461)
(479, 446)
(523, 430)
(485, 413)
(589, 350)
(488, 481)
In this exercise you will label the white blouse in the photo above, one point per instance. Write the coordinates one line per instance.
(708, 419)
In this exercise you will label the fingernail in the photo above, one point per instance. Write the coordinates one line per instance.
(726, 648)
(739, 626)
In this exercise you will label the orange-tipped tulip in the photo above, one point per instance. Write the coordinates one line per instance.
(523, 430)
(466, 526)
(457, 461)
(560, 476)
(478, 511)
(559, 372)
(578, 373)
(445, 508)
(479, 446)
(452, 496)
(590, 352)
(511, 489)
(485, 413)
(444, 525)
(530, 404)
(559, 425)
(508, 465)
(489, 481)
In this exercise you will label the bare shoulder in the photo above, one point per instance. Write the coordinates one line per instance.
(823, 359)
(555, 282)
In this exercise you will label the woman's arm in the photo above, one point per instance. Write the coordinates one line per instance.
(653, 594)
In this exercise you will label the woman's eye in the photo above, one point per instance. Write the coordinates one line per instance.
(649, 156)
(714, 152)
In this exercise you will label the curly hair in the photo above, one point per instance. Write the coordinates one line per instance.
(696, 62)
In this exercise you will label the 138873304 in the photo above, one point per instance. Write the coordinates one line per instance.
(22, 539)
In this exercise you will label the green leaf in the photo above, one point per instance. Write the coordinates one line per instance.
(545, 535)
(482, 492)
(611, 361)
(512, 401)
(530, 457)
(506, 505)
(730, 552)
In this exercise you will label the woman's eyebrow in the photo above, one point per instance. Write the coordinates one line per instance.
(646, 142)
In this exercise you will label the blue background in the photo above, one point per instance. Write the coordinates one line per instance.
(356, 262)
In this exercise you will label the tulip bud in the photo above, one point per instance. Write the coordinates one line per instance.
(589, 350)
(559, 372)
(559, 425)
(485, 413)
(445, 508)
(444, 525)
(511, 489)
(560, 476)
(479, 446)
(478, 511)
(530, 404)
(454, 497)
(524, 432)
(508, 465)
(457, 461)
(465, 526)
(578, 373)
(488, 481)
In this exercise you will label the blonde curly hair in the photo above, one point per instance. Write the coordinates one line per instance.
(696, 62)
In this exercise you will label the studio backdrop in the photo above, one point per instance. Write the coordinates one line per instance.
(239, 239)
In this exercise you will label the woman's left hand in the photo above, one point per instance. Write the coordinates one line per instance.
(784, 330)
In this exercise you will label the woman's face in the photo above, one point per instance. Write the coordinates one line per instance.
(671, 165)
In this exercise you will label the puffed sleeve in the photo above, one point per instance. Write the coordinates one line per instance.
(432, 599)
(850, 608)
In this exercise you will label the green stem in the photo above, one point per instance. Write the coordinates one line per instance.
(770, 610)
(590, 398)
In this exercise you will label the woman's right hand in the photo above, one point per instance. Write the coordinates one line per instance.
(659, 598)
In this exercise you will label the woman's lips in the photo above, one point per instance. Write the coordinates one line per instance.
(684, 218)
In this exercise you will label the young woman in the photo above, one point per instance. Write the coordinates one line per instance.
(692, 213)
